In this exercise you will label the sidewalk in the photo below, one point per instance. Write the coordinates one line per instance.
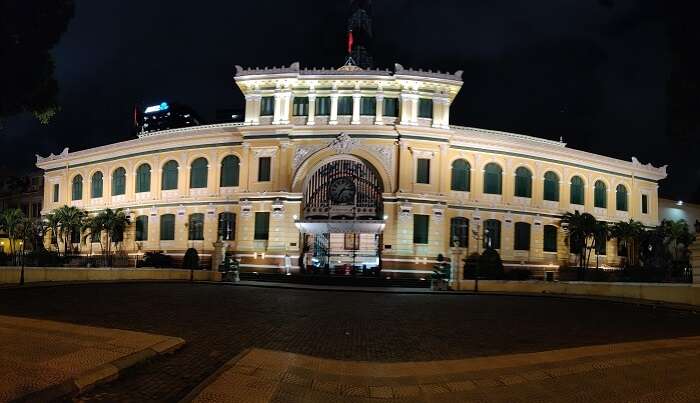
(44, 360)
(651, 371)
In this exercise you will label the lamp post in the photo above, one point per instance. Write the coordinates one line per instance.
(477, 235)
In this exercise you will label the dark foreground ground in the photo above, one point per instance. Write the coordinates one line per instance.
(219, 321)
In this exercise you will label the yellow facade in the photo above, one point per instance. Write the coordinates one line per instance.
(392, 145)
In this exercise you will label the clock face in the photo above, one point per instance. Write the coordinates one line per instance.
(342, 190)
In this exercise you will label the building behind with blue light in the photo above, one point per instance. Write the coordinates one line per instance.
(165, 116)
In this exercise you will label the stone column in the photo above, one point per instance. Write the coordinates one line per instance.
(219, 254)
(334, 109)
(407, 111)
(379, 119)
(252, 109)
(356, 108)
(457, 266)
(277, 113)
(312, 110)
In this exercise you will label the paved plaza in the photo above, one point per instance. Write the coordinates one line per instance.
(219, 322)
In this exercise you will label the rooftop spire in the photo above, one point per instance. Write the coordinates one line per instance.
(360, 33)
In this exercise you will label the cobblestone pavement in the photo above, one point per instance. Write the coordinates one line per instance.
(219, 321)
(648, 371)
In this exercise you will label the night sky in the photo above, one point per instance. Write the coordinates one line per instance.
(594, 72)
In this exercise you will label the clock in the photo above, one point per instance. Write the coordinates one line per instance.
(342, 190)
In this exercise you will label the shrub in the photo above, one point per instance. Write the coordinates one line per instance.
(191, 261)
(490, 265)
(156, 259)
(470, 263)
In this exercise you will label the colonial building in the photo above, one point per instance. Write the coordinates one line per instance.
(344, 167)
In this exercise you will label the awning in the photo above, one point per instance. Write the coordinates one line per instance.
(341, 227)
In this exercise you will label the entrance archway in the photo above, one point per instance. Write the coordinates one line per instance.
(342, 220)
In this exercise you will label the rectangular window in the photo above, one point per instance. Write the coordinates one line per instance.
(141, 228)
(227, 226)
(368, 106)
(264, 165)
(522, 236)
(425, 108)
(267, 106)
(262, 226)
(196, 227)
(601, 244)
(423, 170)
(420, 228)
(344, 106)
(550, 238)
(645, 204)
(167, 227)
(55, 193)
(301, 106)
(323, 106)
(391, 107)
(352, 241)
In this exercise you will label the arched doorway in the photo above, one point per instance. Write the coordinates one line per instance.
(342, 220)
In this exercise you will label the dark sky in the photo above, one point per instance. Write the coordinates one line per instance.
(592, 71)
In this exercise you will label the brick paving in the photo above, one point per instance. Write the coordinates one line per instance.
(218, 322)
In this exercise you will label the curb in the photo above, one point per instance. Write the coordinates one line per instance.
(211, 378)
(104, 373)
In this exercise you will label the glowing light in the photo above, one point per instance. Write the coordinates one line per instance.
(157, 108)
(386, 217)
(679, 203)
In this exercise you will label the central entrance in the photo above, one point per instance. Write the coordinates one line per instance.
(342, 221)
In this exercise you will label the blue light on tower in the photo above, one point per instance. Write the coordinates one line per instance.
(157, 108)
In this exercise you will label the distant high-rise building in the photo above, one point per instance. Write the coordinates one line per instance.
(165, 116)
(360, 33)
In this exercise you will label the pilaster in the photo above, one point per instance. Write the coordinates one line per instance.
(312, 110)
(379, 119)
(334, 109)
(356, 97)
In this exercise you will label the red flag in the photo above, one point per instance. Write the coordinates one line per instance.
(136, 116)
(351, 39)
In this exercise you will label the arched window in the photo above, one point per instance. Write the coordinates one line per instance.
(600, 195)
(523, 182)
(167, 227)
(550, 238)
(461, 172)
(577, 190)
(492, 234)
(143, 178)
(196, 227)
(230, 168)
(227, 226)
(142, 228)
(170, 175)
(198, 173)
(96, 185)
(522, 236)
(77, 187)
(621, 197)
(493, 179)
(459, 232)
(118, 182)
(551, 186)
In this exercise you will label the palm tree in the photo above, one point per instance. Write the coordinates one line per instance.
(678, 236)
(581, 230)
(52, 224)
(627, 235)
(10, 221)
(93, 226)
(70, 219)
(114, 222)
(602, 234)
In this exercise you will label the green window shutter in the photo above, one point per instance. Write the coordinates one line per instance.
(420, 228)
(461, 176)
(601, 247)
(167, 227)
(493, 179)
(523, 182)
(267, 106)
(264, 167)
(645, 204)
(344, 106)
(368, 106)
(550, 238)
(96, 185)
(199, 173)
(323, 106)
(425, 108)
(301, 106)
(142, 228)
(119, 182)
(227, 226)
(551, 186)
(262, 226)
(391, 107)
(143, 178)
(621, 198)
(56, 193)
(522, 236)
(600, 193)
(77, 187)
(230, 171)
(459, 232)
(170, 176)
(423, 170)
(492, 234)
(577, 190)
(196, 227)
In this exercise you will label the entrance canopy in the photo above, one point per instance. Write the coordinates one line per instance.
(341, 226)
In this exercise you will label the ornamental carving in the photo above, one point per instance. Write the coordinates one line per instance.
(343, 144)
(264, 152)
(304, 152)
